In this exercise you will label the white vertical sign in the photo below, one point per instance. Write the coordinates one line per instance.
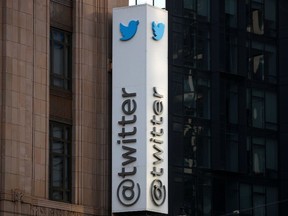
(140, 110)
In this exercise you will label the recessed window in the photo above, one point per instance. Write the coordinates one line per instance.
(60, 162)
(60, 59)
(264, 156)
(262, 107)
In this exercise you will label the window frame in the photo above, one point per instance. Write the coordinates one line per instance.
(66, 75)
(66, 174)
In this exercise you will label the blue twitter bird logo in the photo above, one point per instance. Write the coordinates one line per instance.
(158, 30)
(129, 31)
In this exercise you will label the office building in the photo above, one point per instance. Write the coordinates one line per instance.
(227, 106)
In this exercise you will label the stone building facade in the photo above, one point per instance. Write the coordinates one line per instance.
(54, 106)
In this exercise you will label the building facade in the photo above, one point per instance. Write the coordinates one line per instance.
(228, 121)
(54, 108)
(227, 106)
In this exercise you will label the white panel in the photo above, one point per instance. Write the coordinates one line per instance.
(140, 111)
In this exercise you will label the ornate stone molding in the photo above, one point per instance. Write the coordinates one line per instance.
(17, 195)
(42, 211)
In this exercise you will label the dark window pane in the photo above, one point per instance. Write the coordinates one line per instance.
(270, 55)
(57, 132)
(258, 109)
(57, 173)
(232, 152)
(271, 110)
(207, 206)
(58, 36)
(60, 59)
(270, 14)
(245, 197)
(258, 112)
(203, 148)
(231, 12)
(258, 159)
(272, 199)
(58, 82)
(189, 4)
(57, 195)
(58, 147)
(272, 155)
(203, 9)
(257, 25)
(60, 161)
(259, 205)
(232, 192)
(233, 105)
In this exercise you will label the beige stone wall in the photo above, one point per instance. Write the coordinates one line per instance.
(24, 108)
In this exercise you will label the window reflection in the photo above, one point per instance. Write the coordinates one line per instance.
(258, 200)
(60, 59)
(197, 147)
(60, 159)
(256, 14)
(262, 62)
(263, 110)
(264, 152)
(258, 156)
(231, 12)
(196, 96)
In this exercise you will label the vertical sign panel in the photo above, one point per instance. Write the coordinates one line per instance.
(140, 110)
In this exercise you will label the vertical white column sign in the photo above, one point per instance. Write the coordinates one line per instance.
(140, 111)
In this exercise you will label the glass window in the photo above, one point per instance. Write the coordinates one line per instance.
(258, 155)
(207, 196)
(60, 162)
(189, 4)
(256, 61)
(189, 46)
(197, 145)
(177, 54)
(197, 96)
(257, 109)
(231, 54)
(272, 200)
(177, 93)
(232, 192)
(231, 12)
(256, 20)
(271, 156)
(264, 199)
(202, 55)
(259, 201)
(60, 59)
(233, 103)
(270, 17)
(203, 10)
(270, 64)
(258, 158)
(245, 198)
(190, 95)
(232, 152)
(203, 98)
(262, 62)
(271, 110)
(263, 109)
(264, 156)
(203, 144)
